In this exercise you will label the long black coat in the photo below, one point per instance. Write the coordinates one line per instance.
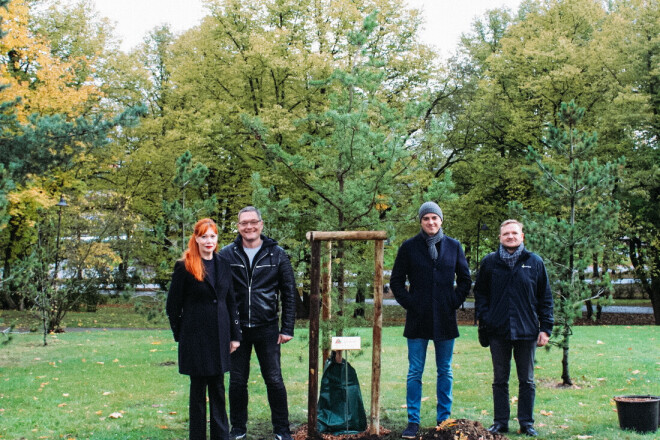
(200, 319)
(437, 288)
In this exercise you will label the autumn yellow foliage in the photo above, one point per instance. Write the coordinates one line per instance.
(44, 83)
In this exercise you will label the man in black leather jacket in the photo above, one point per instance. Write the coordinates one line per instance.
(263, 277)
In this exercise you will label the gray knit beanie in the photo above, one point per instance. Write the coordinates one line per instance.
(429, 207)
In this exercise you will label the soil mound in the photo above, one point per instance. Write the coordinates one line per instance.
(451, 429)
(462, 429)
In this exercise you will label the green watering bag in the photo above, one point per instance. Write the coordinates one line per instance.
(340, 409)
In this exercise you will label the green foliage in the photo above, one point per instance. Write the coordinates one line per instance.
(582, 220)
(189, 177)
(152, 307)
(183, 212)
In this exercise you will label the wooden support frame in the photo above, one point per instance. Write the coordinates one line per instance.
(316, 237)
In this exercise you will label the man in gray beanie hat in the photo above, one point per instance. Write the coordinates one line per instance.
(430, 262)
(430, 207)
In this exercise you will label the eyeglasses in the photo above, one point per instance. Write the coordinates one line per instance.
(250, 223)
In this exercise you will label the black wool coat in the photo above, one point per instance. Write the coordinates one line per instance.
(203, 319)
(437, 287)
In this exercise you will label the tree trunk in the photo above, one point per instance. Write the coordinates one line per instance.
(6, 289)
(650, 280)
(341, 282)
(565, 375)
(654, 294)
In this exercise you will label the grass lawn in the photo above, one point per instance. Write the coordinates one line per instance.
(119, 314)
(77, 384)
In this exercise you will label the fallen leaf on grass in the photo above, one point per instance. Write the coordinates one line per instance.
(546, 413)
(564, 426)
(424, 399)
(584, 437)
(599, 343)
(107, 393)
(115, 415)
(162, 426)
(61, 405)
(514, 399)
(65, 394)
(635, 372)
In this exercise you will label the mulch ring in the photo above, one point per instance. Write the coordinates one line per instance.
(462, 429)
(451, 429)
(301, 434)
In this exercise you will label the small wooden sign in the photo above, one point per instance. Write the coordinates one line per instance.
(346, 343)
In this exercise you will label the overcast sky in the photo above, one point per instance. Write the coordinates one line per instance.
(446, 20)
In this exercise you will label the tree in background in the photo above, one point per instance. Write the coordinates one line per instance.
(354, 159)
(633, 36)
(578, 225)
(189, 177)
(52, 137)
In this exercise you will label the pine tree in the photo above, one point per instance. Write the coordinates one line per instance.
(580, 219)
(352, 160)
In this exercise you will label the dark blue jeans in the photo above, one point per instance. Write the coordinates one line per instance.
(197, 408)
(523, 354)
(444, 351)
(264, 341)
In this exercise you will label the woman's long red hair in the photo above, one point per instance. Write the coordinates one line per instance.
(191, 256)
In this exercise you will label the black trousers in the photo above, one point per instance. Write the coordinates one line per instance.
(197, 409)
(523, 354)
(264, 341)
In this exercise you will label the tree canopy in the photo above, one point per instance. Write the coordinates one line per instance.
(329, 115)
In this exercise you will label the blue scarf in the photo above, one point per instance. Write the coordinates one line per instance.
(511, 259)
(431, 242)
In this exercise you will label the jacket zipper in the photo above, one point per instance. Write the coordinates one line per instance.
(249, 277)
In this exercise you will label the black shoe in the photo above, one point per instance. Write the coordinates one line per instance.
(410, 431)
(529, 431)
(496, 428)
(237, 434)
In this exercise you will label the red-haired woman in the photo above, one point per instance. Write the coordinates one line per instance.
(202, 311)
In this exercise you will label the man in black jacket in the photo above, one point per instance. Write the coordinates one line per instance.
(263, 277)
(514, 302)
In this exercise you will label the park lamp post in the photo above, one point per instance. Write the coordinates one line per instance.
(61, 204)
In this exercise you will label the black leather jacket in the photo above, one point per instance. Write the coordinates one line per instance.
(260, 287)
